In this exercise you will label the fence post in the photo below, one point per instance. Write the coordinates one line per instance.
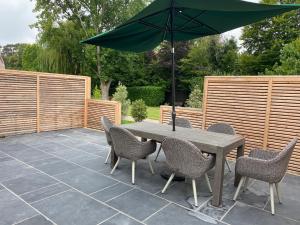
(204, 102)
(87, 97)
(37, 103)
(268, 111)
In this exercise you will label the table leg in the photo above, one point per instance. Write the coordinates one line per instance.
(218, 180)
(240, 152)
(113, 157)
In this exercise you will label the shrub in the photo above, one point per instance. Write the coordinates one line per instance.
(121, 95)
(139, 110)
(195, 98)
(97, 92)
(152, 95)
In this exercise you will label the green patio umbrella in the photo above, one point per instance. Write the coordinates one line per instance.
(182, 20)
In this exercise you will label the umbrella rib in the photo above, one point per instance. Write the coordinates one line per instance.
(151, 25)
(191, 19)
(203, 24)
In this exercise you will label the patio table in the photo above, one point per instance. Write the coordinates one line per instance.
(209, 142)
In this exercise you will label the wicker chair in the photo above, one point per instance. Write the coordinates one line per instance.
(223, 128)
(127, 146)
(268, 166)
(185, 158)
(179, 122)
(107, 124)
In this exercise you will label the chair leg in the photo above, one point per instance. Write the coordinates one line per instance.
(227, 164)
(157, 153)
(246, 184)
(272, 199)
(168, 183)
(278, 192)
(195, 192)
(133, 172)
(208, 183)
(150, 165)
(239, 188)
(116, 165)
(107, 157)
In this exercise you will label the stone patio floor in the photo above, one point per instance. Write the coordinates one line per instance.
(60, 178)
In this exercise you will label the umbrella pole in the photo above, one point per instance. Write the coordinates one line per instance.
(173, 70)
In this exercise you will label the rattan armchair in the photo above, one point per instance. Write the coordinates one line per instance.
(268, 166)
(107, 124)
(179, 122)
(185, 158)
(223, 128)
(127, 146)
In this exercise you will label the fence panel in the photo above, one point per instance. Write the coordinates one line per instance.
(99, 108)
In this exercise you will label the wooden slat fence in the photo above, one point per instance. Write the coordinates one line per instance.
(264, 109)
(193, 115)
(34, 102)
(97, 109)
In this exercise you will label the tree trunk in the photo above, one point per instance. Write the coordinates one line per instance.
(105, 85)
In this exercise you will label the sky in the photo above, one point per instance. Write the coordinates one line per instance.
(17, 15)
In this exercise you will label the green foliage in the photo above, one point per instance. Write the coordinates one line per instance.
(139, 110)
(96, 93)
(30, 58)
(12, 55)
(289, 60)
(152, 95)
(121, 95)
(195, 98)
(266, 38)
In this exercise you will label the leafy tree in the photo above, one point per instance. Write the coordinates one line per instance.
(289, 60)
(265, 39)
(96, 93)
(12, 55)
(121, 96)
(91, 18)
(30, 58)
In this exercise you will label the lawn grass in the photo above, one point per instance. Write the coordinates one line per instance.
(153, 113)
(127, 122)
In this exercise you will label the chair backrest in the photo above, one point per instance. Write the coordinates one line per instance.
(223, 128)
(184, 157)
(181, 122)
(107, 124)
(125, 143)
(281, 161)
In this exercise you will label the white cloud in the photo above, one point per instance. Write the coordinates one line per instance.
(15, 18)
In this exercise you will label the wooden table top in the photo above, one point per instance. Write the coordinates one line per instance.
(210, 142)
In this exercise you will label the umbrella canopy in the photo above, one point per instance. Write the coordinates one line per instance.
(182, 20)
(191, 19)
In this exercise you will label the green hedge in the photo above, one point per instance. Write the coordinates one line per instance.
(152, 95)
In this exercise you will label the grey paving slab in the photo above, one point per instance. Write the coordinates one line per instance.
(242, 214)
(181, 192)
(71, 207)
(121, 219)
(111, 192)
(12, 209)
(1, 187)
(45, 192)
(96, 164)
(6, 158)
(36, 220)
(216, 212)
(13, 147)
(85, 180)
(29, 183)
(175, 215)
(14, 169)
(93, 148)
(53, 166)
(85, 157)
(138, 204)
(28, 154)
